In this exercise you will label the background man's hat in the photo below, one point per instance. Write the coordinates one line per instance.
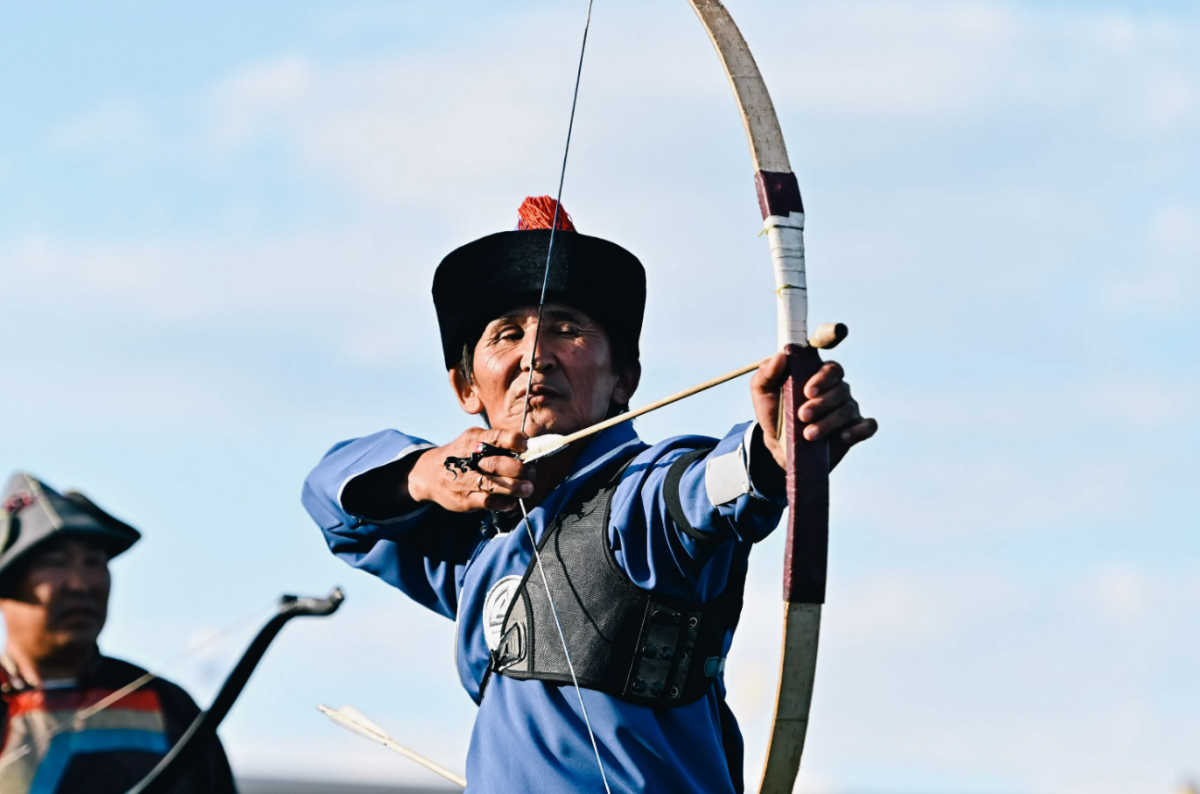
(476, 283)
(32, 513)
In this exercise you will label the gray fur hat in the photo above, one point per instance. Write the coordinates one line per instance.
(32, 513)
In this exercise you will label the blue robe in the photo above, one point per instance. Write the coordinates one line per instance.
(530, 736)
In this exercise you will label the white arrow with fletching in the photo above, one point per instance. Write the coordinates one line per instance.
(826, 337)
(354, 720)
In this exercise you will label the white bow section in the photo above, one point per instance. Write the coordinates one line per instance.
(786, 235)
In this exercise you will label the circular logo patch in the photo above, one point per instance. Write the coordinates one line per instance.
(495, 607)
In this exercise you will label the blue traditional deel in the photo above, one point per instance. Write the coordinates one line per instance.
(466, 568)
(32, 513)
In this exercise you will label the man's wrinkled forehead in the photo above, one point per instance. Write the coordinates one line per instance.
(552, 311)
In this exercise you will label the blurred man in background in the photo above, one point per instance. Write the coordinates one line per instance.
(54, 588)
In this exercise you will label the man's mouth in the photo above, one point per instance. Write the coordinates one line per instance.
(540, 394)
(78, 614)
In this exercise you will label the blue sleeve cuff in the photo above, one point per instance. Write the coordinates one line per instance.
(325, 484)
(364, 466)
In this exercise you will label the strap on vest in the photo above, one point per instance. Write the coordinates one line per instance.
(671, 493)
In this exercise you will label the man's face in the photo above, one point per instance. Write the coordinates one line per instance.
(573, 384)
(60, 602)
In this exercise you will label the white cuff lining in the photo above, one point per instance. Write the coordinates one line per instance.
(726, 478)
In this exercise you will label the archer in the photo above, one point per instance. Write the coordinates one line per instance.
(643, 549)
(72, 719)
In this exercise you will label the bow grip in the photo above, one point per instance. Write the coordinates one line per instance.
(805, 557)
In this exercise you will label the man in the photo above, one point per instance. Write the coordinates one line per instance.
(54, 588)
(644, 547)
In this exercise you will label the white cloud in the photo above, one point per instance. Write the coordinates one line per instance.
(899, 60)
(1121, 593)
(414, 128)
(244, 102)
(1166, 280)
(113, 127)
(978, 173)
(180, 281)
(430, 147)
(923, 676)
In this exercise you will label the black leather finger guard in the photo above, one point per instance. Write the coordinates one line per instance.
(457, 466)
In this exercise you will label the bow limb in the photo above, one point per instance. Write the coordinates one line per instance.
(808, 462)
(205, 725)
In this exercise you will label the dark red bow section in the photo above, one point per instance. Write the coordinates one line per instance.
(805, 560)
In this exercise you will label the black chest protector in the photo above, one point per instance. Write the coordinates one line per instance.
(624, 641)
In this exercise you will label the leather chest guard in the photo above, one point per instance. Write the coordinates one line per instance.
(625, 641)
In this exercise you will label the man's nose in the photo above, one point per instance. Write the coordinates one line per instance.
(76, 580)
(543, 361)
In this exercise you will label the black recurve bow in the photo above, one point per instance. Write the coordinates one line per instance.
(204, 727)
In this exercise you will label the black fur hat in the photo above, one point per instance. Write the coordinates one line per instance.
(481, 280)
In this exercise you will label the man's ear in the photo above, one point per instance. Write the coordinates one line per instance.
(464, 390)
(627, 383)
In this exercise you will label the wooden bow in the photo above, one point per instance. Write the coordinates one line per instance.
(808, 462)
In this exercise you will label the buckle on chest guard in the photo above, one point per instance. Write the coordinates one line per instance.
(664, 654)
(511, 649)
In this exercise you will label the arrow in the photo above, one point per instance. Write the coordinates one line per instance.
(826, 336)
(354, 720)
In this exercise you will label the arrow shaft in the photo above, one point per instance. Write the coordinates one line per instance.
(634, 414)
(354, 720)
(825, 337)
(425, 762)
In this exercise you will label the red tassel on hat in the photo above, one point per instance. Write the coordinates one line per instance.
(537, 212)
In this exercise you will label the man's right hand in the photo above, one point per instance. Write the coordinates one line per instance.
(497, 486)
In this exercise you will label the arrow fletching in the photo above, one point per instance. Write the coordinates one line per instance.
(354, 720)
(540, 447)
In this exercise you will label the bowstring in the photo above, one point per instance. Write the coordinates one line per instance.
(562, 175)
(537, 331)
(537, 555)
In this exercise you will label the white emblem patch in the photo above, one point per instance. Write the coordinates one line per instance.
(495, 607)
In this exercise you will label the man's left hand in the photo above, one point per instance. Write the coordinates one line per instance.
(828, 411)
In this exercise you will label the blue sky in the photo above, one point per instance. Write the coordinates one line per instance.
(218, 227)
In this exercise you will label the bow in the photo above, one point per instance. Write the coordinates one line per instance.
(806, 551)
(204, 727)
